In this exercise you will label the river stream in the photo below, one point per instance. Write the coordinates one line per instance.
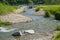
(43, 27)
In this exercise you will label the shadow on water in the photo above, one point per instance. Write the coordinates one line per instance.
(40, 24)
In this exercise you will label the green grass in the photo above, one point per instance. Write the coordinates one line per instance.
(57, 37)
(5, 9)
(51, 7)
(5, 23)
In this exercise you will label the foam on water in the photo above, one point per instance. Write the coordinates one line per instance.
(2, 29)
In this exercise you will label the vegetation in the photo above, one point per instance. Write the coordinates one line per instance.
(52, 9)
(57, 15)
(57, 37)
(5, 9)
(5, 23)
(14, 2)
(47, 14)
(37, 8)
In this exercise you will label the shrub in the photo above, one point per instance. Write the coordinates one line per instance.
(47, 14)
(57, 15)
(37, 8)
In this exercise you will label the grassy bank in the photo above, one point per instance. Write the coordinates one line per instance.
(57, 37)
(5, 9)
(51, 9)
(37, 8)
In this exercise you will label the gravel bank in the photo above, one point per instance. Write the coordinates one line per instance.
(16, 18)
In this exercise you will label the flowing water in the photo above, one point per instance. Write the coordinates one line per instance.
(43, 27)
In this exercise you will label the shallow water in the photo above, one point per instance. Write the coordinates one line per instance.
(40, 24)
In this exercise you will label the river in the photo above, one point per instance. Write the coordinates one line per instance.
(43, 27)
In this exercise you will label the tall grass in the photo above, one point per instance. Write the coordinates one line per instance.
(51, 7)
(5, 9)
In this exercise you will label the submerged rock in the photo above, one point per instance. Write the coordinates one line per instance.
(16, 34)
(20, 33)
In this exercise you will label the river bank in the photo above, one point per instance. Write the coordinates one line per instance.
(15, 17)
